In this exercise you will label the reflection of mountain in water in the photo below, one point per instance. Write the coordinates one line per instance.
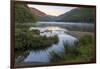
(48, 29)
(88, 27)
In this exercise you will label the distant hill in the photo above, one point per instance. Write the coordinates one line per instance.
(78, 15)
(37, 12)
(41, 16)
(23, 14)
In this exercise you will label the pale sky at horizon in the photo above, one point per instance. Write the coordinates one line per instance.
(52, 10)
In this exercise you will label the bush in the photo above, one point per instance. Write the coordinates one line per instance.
(56, 57)
(86, 40)
(25, 40)
(37, 32)
(71, 50)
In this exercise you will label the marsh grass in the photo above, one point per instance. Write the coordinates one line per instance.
(20, 56)
(31, 40)
(83, 50)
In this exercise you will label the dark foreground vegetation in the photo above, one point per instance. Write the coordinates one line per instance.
(81, 51)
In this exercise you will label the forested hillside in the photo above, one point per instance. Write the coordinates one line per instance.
(41, 16)
(23, 14)
(78, 15)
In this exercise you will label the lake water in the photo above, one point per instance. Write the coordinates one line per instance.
(69, 25)
(43, 56)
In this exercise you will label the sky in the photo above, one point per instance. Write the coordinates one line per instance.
(52, 10)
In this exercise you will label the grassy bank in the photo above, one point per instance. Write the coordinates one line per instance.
(25, 40)
(79, 34)
(81, 51)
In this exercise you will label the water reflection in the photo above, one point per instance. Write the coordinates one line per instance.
(69, 25)
(43, 55)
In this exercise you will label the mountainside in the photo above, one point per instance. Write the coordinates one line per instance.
(47, 18)
(37, 12)
(23, 14)
(78, 15)
(41, 16)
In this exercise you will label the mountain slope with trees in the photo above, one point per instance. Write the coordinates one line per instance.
(41, 16)
(78, 15)
(23, 14)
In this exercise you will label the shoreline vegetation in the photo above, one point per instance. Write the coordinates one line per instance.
(81, 51)
(26, 40)
(79, 34)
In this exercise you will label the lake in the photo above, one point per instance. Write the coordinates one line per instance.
(87, 27)
(69, 25)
